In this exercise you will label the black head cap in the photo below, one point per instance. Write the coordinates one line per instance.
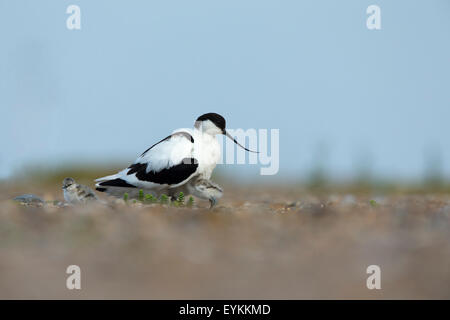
(219, 121)
(215, 118)
(67, 182)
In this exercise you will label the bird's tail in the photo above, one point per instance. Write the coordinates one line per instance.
(116, 185)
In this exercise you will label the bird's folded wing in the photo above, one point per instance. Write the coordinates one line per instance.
(84, 192)
(168, 152)
(170, 161)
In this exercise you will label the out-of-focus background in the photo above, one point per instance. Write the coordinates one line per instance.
(350, 100)
(362, 114)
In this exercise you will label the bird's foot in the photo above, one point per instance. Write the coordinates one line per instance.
(213, 202)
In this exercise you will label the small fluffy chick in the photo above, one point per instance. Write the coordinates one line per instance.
(206, 189)
(75, 193)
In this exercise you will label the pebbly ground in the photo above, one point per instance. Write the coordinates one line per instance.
(264, 242)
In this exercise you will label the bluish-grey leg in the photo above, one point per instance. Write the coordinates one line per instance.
(213, 202)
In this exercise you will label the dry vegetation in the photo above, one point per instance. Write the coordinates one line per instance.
(266, 242)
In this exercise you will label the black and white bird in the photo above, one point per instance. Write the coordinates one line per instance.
(75, 193)
(181, 162)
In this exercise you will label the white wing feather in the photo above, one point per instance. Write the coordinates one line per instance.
(167, 153)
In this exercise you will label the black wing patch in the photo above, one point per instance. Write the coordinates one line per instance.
(181, 133)
(116, 183)
(136, 167)
(172, 175)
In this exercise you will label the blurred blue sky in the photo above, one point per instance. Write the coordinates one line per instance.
(139, 69)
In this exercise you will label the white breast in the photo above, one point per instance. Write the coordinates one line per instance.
(207, 152)
(70, 194)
